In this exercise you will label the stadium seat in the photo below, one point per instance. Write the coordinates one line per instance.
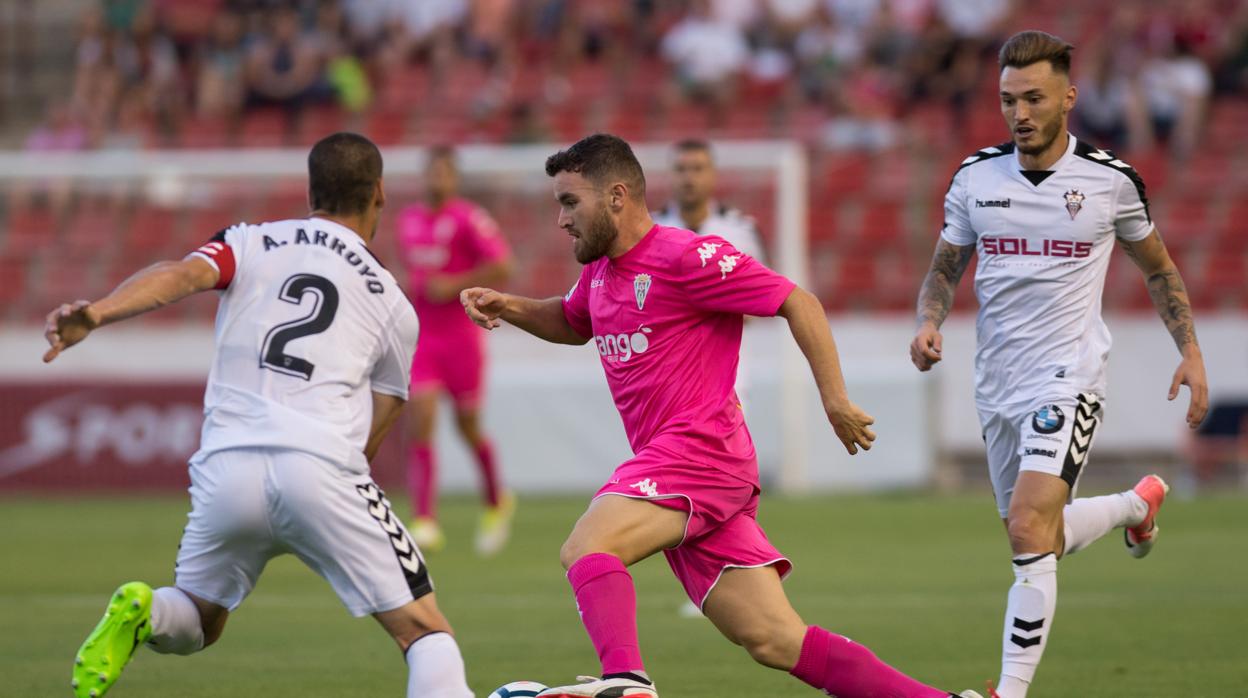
(29, 229)
(264, 128)
(150, 231)
(200, 132)
(318, 122)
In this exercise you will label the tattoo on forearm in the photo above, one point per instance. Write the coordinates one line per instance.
(1165, 287)
(936, 296)
(1170, 298)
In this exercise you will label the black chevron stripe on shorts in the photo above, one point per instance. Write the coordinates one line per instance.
(413, 566)
(1087, 417)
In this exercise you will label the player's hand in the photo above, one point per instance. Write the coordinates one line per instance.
(441, 288)
(484, 306)
(852, 426)
(68, 325)
(925, 349)
(1191, 372)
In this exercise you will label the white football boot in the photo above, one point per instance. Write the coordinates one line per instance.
(594, 687)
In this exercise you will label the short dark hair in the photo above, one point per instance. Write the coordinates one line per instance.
(689, 144)
(601, 158)
(441, 151)
(343, 170)
(1025, 48)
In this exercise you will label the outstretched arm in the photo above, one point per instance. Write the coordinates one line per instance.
(541, 318)
(1169, 295)
(935, 299)
(810, 329)
(154, 287)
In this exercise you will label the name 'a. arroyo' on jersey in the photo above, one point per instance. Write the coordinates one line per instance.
(1044, 241)
(309, 325)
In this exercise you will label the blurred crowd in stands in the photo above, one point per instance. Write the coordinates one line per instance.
(843, 74)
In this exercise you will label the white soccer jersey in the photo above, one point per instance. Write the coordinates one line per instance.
(309, 325)
(726, 222)
(1044, 249)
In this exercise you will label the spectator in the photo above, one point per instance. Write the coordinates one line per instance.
(285, 67)
(1177, 85)
(148, 67)
(219, 91)
(1110, 111)
(708, 56)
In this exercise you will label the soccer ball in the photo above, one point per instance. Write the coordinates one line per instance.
(518, 689)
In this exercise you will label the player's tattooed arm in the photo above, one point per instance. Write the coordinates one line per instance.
(935, 299)
(948, 265)
(1165, 287)
(1169, 295)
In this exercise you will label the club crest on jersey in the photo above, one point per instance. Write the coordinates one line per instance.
(641, 287)
(1074, 202)
(1048, 419)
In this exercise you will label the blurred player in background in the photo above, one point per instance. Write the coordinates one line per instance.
(694, 208)
(447, 244)
(313, 346)
(664, 308)
(1044, 211)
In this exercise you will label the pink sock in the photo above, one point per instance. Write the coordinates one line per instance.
(608, 605)
(422, 477)
(489, 473)
(846, 669)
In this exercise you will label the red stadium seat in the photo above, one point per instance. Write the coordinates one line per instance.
(386, 127)
(29, 229)
(150, 231)
(198, 132)
(318, 122)
(264, 128)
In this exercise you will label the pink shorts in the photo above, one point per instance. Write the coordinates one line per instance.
(722, 531)
(454, 365)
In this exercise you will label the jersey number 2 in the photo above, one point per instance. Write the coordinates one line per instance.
(324, 306)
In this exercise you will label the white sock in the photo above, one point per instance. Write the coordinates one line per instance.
(176, 628)
(1089, 518)
(1028, 618)
(436, 669)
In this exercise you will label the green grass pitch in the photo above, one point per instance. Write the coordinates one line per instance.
(919, 579)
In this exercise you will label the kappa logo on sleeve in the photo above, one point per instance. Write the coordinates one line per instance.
(708, 250)
(726, 264)
(648, 487)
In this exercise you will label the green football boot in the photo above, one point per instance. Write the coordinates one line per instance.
(127, 623)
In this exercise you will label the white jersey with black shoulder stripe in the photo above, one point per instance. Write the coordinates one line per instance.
(1044, 241)
(309, 325)
(725, 221)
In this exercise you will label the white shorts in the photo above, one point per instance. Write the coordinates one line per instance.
(250, 505)
(1053, 437)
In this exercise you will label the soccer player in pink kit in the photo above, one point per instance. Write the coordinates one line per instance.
(448, 244)
(664, 307)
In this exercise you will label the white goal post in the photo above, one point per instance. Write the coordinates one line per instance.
(173, 179)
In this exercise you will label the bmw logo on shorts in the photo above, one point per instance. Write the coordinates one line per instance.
(1048, 419)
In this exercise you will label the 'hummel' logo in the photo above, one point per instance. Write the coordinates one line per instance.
(992, 203)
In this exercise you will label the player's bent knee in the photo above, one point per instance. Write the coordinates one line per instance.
(1030, 531)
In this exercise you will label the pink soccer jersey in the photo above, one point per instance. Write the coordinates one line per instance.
(666, 318)
(453, 239)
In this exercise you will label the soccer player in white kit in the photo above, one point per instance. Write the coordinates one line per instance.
(314, 343)
(694, 207)
(1044, 212)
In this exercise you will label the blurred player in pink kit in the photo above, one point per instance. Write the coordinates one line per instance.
(448, 244)
(664, 308)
